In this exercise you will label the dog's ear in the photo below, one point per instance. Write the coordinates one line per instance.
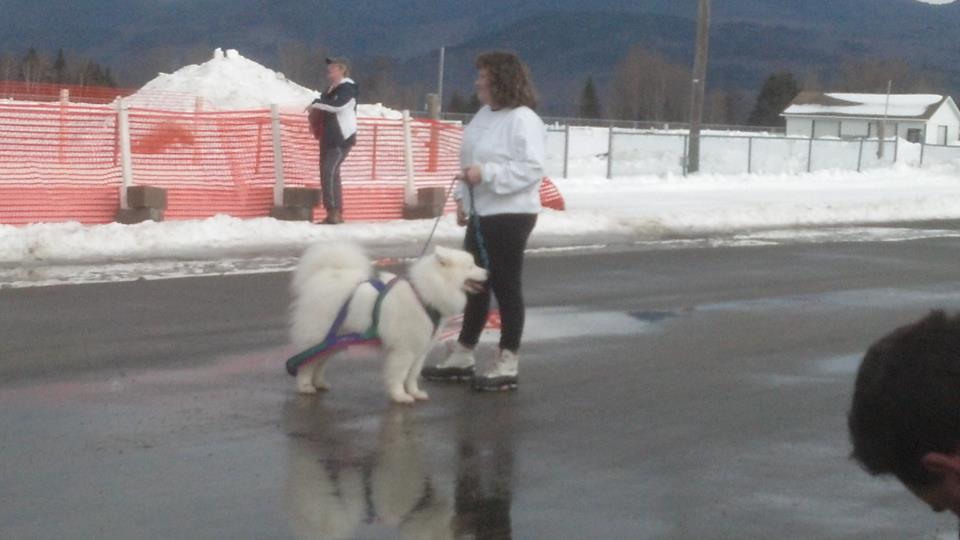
(443, 256)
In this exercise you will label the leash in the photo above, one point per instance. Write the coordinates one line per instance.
(474, 221)
(436, 222)
(478, 235)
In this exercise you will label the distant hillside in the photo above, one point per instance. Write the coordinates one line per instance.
(561, 42)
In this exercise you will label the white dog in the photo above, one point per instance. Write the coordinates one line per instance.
(330, 275)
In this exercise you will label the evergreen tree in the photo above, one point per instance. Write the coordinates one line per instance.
(474, 104)
(589, 102)
(60, 68)
(777, 92)
(457, 104)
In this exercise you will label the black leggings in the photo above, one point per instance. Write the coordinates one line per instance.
(330, 187)
(505, 238)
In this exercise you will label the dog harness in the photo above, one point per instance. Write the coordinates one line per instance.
(335, 342)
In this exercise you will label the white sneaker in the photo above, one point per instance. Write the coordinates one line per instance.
(456, 367)
(502, 375)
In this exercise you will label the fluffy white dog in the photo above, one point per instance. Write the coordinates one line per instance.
(327, 276)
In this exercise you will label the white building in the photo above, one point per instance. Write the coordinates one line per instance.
(932, 118)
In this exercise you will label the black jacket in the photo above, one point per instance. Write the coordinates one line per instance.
(336, 122)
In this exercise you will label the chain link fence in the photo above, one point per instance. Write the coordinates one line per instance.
(618, 152)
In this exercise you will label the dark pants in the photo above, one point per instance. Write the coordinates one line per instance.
(505, 238)
(330, 186)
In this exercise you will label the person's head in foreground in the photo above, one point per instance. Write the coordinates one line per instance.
(905, 416)
(503, 81)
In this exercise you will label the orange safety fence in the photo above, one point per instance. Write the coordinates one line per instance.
(62, 162)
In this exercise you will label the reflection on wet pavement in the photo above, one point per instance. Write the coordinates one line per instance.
(343, 482)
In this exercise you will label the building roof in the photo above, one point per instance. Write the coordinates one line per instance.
(911, 106)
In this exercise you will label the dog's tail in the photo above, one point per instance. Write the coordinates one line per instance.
(326, 276)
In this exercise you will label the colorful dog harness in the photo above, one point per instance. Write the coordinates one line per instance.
(334, 342)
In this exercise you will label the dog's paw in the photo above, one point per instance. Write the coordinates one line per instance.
(307, 389)
(402, 398)
(420, 395)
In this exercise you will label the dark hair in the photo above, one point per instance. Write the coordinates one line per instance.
(906, 400)
(510, 81)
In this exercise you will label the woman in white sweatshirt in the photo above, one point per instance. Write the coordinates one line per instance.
(498, 199)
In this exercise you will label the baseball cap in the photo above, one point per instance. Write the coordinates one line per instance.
(338, 60)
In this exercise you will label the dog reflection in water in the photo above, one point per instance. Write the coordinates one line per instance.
(333, 491)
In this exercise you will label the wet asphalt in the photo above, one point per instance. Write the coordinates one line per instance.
(682, 393)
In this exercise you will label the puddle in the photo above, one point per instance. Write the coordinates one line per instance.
(839, 365)
(564, 323)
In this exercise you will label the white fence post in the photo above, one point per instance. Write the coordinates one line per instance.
(410, 189)
(566, 150)
(64, 103)
(126, 160)
(610, 153)
(749, 155)
(277, 155)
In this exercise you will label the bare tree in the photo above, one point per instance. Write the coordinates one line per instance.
(302, 64)
(8, 67)
(647, 86)
(872, 75)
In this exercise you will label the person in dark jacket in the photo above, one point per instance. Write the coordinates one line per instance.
(337, 132)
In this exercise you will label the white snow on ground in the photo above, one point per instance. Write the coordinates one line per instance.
(229, 81)
(639, 208)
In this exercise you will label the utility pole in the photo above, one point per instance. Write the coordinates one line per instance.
(699, 85)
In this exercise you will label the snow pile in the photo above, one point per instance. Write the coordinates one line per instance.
(229, 81)
(645, 208)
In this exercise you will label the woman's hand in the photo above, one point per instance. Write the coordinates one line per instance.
(472, 175)
(462, 218)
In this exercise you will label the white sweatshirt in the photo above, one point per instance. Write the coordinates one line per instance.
(509, 146)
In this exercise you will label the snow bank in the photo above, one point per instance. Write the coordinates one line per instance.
(229, 81)
(642, 208)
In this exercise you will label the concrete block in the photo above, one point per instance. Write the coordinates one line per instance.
(420, 211)
(146, 197)
(432, 197)
(292, 213)
(301, 197)
(130, 216)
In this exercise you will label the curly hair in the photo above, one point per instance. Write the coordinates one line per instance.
(510, 81)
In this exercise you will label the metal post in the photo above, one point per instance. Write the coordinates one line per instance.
(126, 160)
(749, 155)
(886, 114)
(923, 146)
(277, 155)
(409, 190)
(566, 150)
(860, 156)
(683, 160)
(699, 84)
(813, 131)
(896, 141)
(610, 152)
(440, 78)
